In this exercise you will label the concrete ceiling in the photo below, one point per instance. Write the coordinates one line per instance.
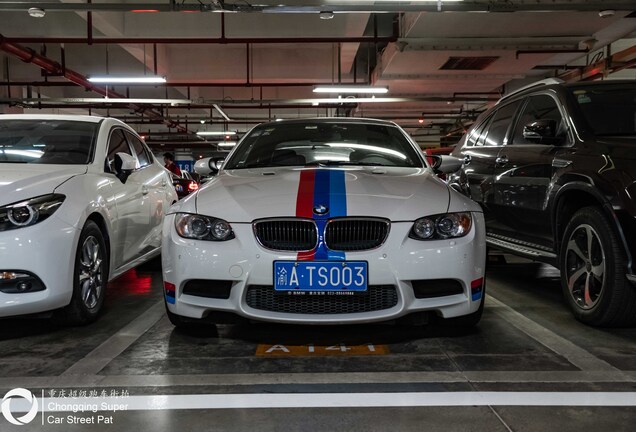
(258, 60)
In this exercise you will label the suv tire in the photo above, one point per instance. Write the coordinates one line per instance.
(593, 267)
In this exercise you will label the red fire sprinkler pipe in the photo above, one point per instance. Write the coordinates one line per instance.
(27, 55)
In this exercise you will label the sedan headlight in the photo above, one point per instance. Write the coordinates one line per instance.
(29, 212)
(441, 226)
(198, 227)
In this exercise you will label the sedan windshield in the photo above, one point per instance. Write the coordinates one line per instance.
(324, 144)
(610, 110)
(63, 142)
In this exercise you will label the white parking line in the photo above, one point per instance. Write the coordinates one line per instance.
(97, 359)
(332, 400)
(579, 357)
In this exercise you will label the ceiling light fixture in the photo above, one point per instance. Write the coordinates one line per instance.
(105, 101)
(351, 89)
(215, 133)
(227, 144)
(315, 102)
(128, 80)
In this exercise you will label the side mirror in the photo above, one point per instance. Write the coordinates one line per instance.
(446, 164)
(208, 166)
(124, 166)
(542, 131)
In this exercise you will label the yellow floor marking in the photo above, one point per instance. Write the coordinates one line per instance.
(311, 350)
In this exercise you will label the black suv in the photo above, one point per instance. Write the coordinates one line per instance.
(554, 167)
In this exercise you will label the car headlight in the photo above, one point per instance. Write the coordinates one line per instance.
(441, 226)
(194, 226)
(29, 212)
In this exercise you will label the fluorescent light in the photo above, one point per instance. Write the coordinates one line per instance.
(315, 102)
(351, 89)
(128, 80)
(218, 108)
(106, 100)
(227, 144)
(215, 133)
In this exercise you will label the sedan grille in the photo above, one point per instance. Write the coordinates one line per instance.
(356, 234)
(378, 297)
(286, 234)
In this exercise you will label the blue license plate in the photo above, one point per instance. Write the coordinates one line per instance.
(320, 276)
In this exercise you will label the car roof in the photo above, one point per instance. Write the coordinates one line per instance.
(71, 117)
(554, 84)
(313, 120)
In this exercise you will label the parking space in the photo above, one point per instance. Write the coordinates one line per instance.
(527, 350)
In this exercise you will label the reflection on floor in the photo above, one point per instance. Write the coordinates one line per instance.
(528, 366)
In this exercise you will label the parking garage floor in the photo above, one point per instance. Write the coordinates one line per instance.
(528, 366)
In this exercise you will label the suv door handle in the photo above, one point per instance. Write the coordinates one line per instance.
(501, 160)
(467, 159)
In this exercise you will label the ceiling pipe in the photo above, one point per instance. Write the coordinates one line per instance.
(550, 51)
(27, 55)
(318, 6)
(44, 105)
(176, 84)
(221, 40)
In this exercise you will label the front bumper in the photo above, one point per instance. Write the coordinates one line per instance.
(397, 262)
(46, 250)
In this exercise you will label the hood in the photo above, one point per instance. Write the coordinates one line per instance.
(623, 147)
(398, 194)
(24, 181)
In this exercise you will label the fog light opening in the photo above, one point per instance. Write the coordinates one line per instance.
(24, 286)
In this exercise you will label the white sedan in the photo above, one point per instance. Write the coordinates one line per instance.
(82, 200)
(324, 221)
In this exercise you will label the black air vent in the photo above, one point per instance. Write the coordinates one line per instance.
(378, 297)
(356, 234)
(468, 63)
(286, 234)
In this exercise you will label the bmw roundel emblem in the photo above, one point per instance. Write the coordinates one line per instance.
(321, 209)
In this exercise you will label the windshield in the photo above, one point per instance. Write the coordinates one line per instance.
(64, 142)
(608, 109)
(324, 143)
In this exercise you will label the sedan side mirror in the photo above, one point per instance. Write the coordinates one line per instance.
(208, 166)
(124, 166)
(446, 164)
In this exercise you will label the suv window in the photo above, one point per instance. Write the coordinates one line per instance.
(496, 133)
(140, 150)
(610, 109)
(116, 144)
(473, 135)
(540, 107)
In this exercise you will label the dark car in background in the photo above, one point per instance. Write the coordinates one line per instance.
(186, 184)
(554, 167)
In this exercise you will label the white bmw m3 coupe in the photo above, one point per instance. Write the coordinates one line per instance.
(325, 221)
(82, 200)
